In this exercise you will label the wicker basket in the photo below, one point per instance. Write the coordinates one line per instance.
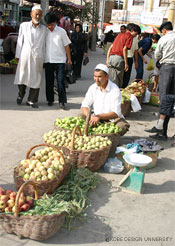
(126, 108)
(34, 227)
(6, 70)
(150, 85)
(43, 186)
(92, 159)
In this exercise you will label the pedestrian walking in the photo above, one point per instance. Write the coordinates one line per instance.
(144, 45)
(117, 55)
(30, 51)
(165, 54)
(57, 47)
(132, 55)
(79, 49)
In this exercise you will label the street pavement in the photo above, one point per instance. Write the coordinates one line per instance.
(114, 217)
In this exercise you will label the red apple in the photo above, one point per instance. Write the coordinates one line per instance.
(8, 209)
(8, 192)
(2, 192)
(13, 195)
(31, 203)
(22, 195)
(11, 203)
(25, 207)
(4, 198)
(21, 201)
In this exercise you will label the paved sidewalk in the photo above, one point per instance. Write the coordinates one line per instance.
(115, 217)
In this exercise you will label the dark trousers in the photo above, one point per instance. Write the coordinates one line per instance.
(33, 93)
(167, 109)
(77, 60)
(167, 80)
(139, 70)
(52, 70)
(127, 75)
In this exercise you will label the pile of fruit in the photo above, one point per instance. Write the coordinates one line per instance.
(13, 62)
(7, 201)
(69, 123)
(135, 88)
(150, 80)
(63, 138)
(125, 96)
(4, 64)
(44, 165)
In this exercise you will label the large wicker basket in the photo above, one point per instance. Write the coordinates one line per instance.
(43, 186)
(92, 159)
(126, 108)
(34, 227)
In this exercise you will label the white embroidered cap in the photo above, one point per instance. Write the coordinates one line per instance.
(36, 7)
(102, 67)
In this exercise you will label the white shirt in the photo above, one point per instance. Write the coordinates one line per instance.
(106, 101)
(166, 49)
(133, 47)
(55, 45)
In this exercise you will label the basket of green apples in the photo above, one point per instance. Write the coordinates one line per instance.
(46, 167)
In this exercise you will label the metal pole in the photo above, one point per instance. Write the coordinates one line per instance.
(101, 14)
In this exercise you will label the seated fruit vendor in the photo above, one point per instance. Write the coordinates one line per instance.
(104, 96)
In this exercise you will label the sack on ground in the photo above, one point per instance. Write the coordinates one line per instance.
(150, 64)
(147, 96)
(135, 103)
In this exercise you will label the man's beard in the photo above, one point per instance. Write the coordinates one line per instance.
(35, 21)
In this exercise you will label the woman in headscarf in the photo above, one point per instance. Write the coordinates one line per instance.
(78, 49)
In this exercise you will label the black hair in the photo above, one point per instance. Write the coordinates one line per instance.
(80, 26)
(123, 26)
(50, 17)
(166, 25)
(156, 37)
(98, 70)
(135, 28)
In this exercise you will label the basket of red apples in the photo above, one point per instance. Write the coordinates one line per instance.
(16, 218)
(46, 167)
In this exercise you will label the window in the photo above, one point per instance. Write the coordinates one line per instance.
(163, 3)
(118, 4)
(138, 2)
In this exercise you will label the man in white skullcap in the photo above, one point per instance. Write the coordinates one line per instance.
(104, 96)
(30, 51)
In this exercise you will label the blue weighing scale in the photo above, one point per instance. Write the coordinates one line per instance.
(133, 181)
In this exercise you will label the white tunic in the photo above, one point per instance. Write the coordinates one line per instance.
(106, 101)
(55, 45)
(31, 52)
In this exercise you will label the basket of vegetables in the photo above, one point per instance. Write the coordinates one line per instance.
(84, 151)
(47, 167)
(137, 87)
(31, 221)
(126, 103)
(5, 68)
(150, 82)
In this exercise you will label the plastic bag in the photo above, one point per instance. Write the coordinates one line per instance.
(113, 165)
(147, 96)
(135, 103)
(150, 64)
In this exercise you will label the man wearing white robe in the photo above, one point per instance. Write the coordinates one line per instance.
(30, 51)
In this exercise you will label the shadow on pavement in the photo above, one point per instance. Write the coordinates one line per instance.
(168, 186)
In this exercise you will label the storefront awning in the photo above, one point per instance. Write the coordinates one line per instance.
(57, 3)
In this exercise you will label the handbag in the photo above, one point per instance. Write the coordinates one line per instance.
(85, 60)
(69, 75)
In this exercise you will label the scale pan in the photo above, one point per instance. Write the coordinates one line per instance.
(137, 160)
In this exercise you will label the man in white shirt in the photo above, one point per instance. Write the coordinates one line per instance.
(30, 52)
(104, 96)
(57, 47)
